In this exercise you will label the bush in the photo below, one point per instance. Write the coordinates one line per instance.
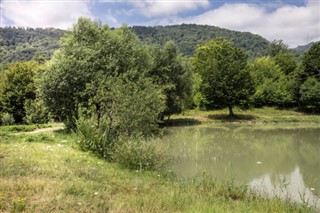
(7, 119)
(36, 112)
(97, 138)
(310, 94)
(133, 153)
(141, 154)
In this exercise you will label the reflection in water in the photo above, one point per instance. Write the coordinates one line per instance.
(289, 186)
(279, 161)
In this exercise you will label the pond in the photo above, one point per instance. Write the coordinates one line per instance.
(275, 160)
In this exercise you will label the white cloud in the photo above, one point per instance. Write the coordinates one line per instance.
(111, 19)
(294, 25)
(57, 14)
(153, 8)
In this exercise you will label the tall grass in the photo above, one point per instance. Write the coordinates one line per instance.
(142, 154)
(135, 152)
(97, 138)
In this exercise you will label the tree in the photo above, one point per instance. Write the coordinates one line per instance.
(310, 93)
(311, 62)
(90, 54)
(309, 77)
(226, 81)
(36, 112)
(287, 62)
(273, 87)
(18, 86)
(277, 47)
(173, 74)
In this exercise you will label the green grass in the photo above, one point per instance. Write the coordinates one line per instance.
(47, 172)
(255, 115)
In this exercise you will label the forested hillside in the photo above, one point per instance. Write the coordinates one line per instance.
(188, 36)
(21, 44)
(303, 48)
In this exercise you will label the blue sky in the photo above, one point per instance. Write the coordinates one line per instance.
(296, 22)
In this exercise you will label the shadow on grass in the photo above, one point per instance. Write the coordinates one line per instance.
(180, 122)
(235, 118)
(308, 111)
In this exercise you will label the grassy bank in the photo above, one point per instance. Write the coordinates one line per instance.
(254, 115)
(46, 172)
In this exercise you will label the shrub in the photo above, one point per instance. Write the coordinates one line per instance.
(131, 152)
(310, 94)
(7, 119)
(97, 138)
(142, 154)
(36, 112)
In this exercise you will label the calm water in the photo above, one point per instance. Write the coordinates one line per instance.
(277, 160)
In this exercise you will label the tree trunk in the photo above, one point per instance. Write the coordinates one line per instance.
(231, 114)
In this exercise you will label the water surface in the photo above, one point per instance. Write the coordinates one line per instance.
(275, 160)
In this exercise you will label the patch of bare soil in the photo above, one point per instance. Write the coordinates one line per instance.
(44, 130)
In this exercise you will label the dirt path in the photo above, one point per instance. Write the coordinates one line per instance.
(47, 130)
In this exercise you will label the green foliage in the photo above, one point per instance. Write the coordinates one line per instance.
(132, 106)
(20, 44)
(307, 75)
(19, 205)
(173, 74)
(311, 62)
(7, 119)
(198, 98)
(226, 81)
(273, 87)
(188, 36)
(287, 62)
(277, 47)
(310, 93)
(17, 86)
(126, 109)
(89, 52)
(36, 112)
(140, 154)
(99, 139)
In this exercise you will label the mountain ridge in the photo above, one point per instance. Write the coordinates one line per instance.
(23, 44)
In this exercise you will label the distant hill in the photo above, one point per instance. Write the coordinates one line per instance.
(304, 48)
(20, 44)
(188, 36)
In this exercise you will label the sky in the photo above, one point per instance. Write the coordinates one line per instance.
(296, 22)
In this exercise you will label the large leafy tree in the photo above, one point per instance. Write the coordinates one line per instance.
(308, 78)
(226, 82)
(311, 62)
(273, 87)
(173, 74)
(310, 93)
(277, 47)
(287, 62)
(17, 86)
(90, 54)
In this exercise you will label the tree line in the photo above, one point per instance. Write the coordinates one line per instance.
(109, 74)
